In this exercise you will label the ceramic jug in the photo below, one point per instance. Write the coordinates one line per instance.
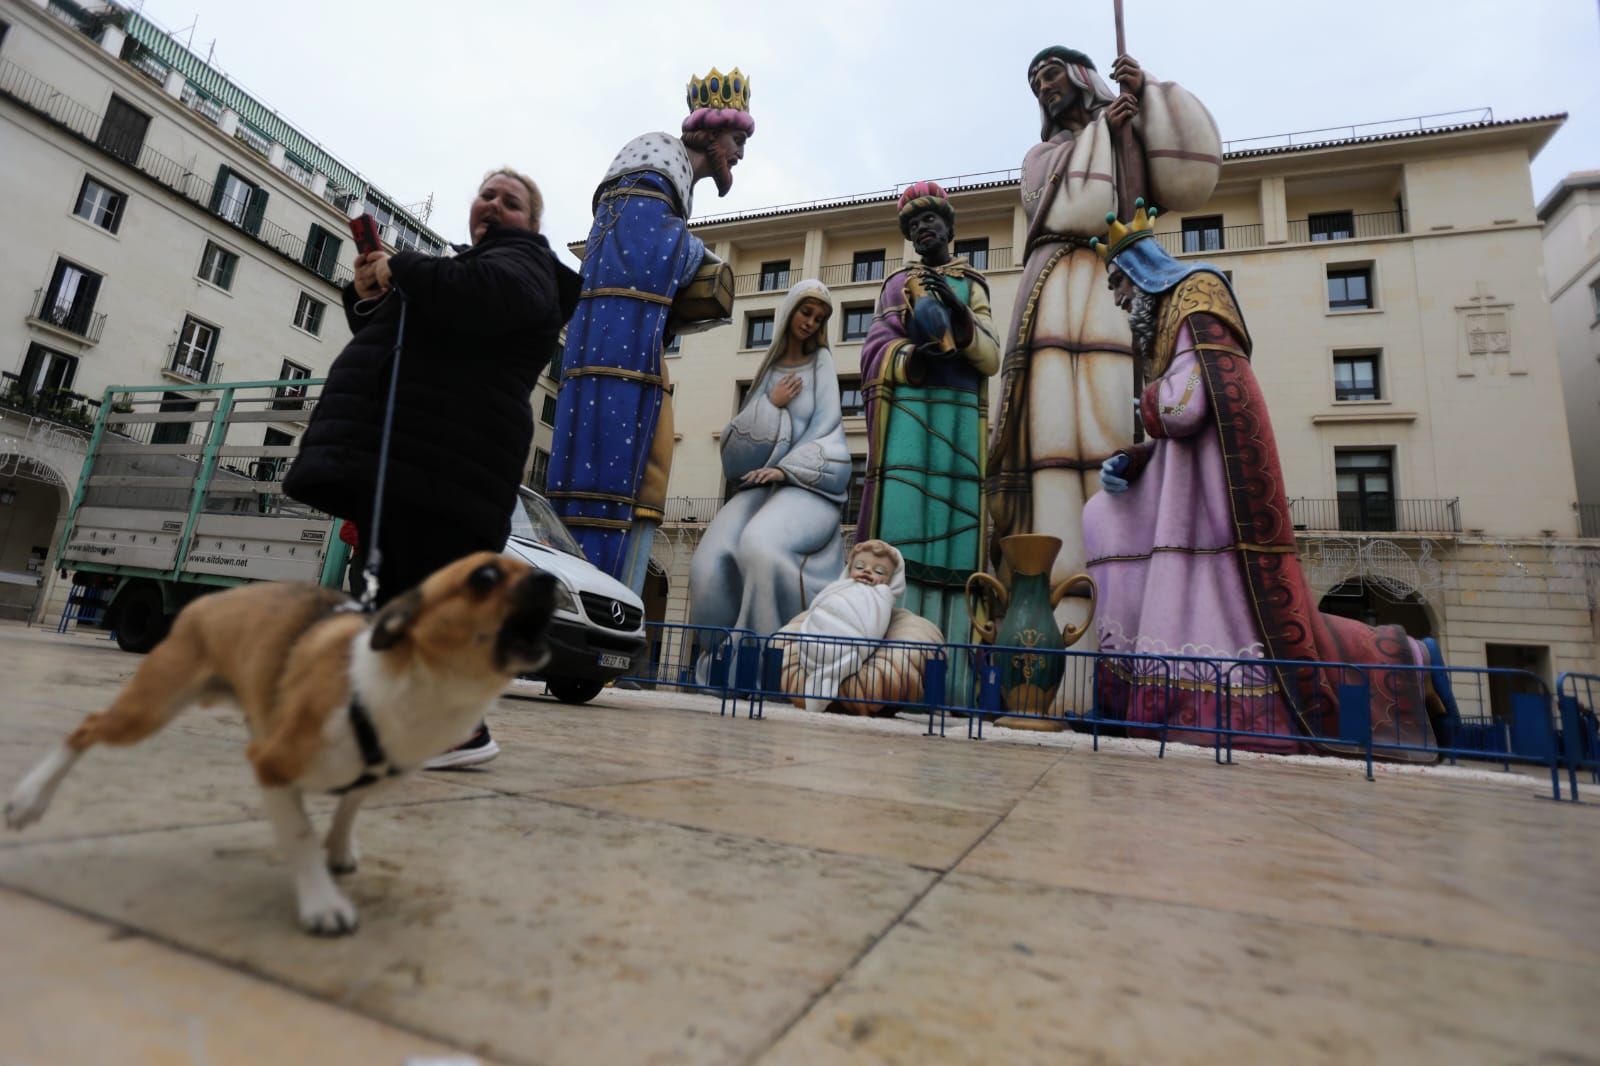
(1024, 617)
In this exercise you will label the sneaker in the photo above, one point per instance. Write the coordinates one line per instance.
(479, 748)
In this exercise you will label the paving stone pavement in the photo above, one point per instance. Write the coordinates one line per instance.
(640, 881)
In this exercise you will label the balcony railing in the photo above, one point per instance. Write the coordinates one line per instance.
(58, 405)
(1588, 519)
(990, 258)
(769, 281)
(691, 510)
(1376, 514)
(859, 273)
(177, 366)
(48, 102)
(1235, 238)
(82, 321)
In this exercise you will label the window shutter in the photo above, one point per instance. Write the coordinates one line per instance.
(256, 209)
(330, 255)
(83, 306)
(216, 190)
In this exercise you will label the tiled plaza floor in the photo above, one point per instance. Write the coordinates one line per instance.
(638, 882)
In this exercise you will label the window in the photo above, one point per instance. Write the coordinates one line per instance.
(5, 28)
(173, 432)
(858, 484)
(69, 300)
(850, 399)
(291, 397)
(308, 314)
(1332, 226)
(867, 266)
(44, 369)
(216, 265)
(539, 473)
(974, 251)
(122, 130)
(548, 414)
(1365, 481)
(1349, 288)
(196, 344)
(775, 275)
(857, 320)
(1594, 298)
(100, 205)
(237, 200)
(1203, 234)
(758, 330)
(322, 251)
(1355, 376)
(272, 467)
(674, 346)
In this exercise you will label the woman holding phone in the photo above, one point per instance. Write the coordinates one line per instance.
(480, 326)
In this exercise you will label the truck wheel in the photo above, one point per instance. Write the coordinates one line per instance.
(573, 689)
(142, 620)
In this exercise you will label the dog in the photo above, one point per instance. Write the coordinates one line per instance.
(336, 701)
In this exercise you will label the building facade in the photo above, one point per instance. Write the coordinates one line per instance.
(1571, 217)
(1403, 337)
(162, 225)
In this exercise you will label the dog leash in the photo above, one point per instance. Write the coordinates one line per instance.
(369, 574)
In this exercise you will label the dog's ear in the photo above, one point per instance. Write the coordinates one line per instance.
(395, 618)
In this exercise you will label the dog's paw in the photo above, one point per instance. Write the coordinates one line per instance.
(325, 912)
(25, 807)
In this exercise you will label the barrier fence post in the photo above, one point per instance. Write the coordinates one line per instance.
(933, 691)
(1571, 739)
(1355, 716)
(771, 674)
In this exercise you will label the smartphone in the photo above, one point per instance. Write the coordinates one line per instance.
(364, 228)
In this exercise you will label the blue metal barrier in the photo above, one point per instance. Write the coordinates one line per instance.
(1414, 713)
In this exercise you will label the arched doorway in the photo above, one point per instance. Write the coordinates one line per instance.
(31, 510)
(1379, 607)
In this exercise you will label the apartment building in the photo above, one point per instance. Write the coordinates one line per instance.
(1571, 217)
(1392, 280)
(161, 224)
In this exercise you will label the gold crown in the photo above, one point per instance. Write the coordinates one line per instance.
(716, 89)
(1118, 236)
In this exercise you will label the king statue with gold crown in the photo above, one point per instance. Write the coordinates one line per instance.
(645, 279)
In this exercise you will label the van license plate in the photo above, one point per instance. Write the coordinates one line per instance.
(619, 661)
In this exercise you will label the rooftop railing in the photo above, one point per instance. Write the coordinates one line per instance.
(68, 114)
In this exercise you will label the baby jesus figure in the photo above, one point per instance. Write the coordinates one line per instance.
(857, 606)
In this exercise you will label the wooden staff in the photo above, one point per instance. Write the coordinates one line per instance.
(1131, 185)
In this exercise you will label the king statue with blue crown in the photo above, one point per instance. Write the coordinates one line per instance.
(646, 278)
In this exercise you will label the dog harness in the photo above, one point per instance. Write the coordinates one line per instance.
(372, 754)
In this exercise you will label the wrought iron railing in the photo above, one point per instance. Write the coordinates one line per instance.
(767, 281)
(81, 320)
(1588, 519)
(990, 258)
(1251, 235)
(1376, 514)
(691, 510)
(859, 273)
(49, 103)
(58, 405)
(175, 364)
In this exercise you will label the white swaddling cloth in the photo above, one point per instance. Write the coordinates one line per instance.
(846, 609)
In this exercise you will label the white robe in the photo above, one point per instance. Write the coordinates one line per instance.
(854, 613)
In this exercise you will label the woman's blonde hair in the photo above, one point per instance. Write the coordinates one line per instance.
(535, 197)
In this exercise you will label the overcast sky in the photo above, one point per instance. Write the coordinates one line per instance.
(855, 96)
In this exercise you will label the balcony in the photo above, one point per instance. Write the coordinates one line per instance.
(66, 113)
(79, 320)
(859, 273)
(1588, 519)
(57, 405)
(1376, 514)
(1237, 238)
(691, 510)
(184, 366)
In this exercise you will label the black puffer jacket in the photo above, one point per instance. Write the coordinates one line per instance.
(479, 329)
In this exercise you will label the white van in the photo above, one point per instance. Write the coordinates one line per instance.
(598, 628)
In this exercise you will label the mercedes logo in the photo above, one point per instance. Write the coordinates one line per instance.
(617, 614)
